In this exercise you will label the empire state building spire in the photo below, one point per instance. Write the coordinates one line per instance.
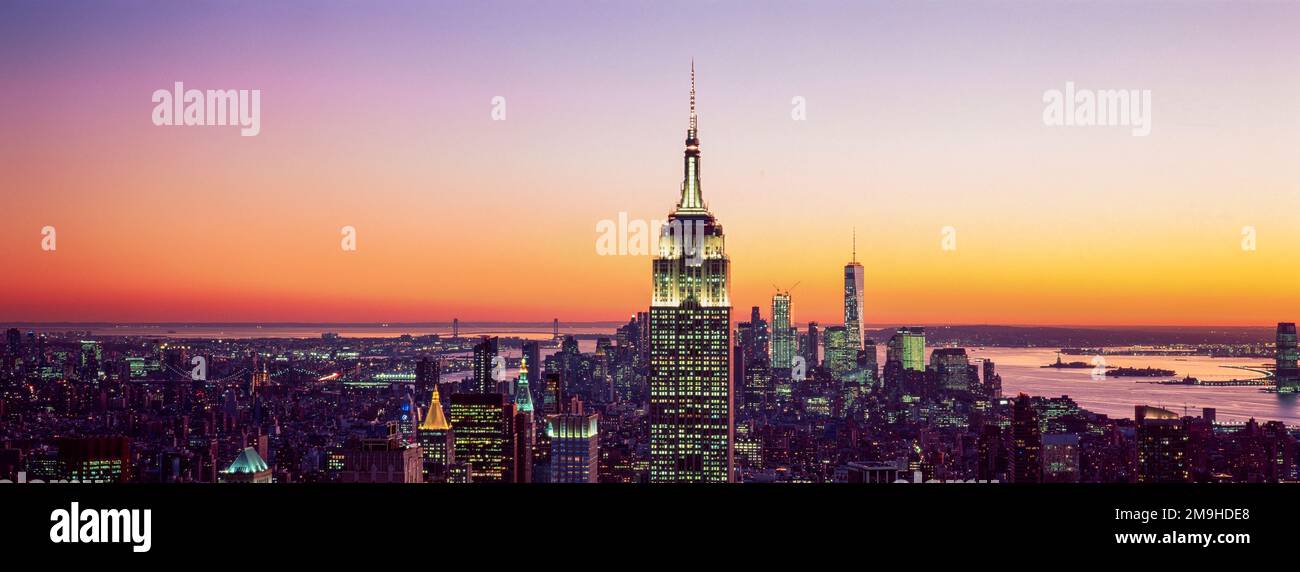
(692, 198)
(690, 403)
(691, 133)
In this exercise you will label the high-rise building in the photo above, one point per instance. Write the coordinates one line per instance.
(485, 355)
(853, 307)
(782, 335)
(951, 368)
(992, 381)
(525, 430)
(1287, 375)
(532, 364)
(483, 428)
(524, 440)
(868, 367)
(1161, 446)
(810, 353)
(907, 347)
(690, 338)
(552, 393)
(436, 441)
(575, 446)
(523, 394)
(427, 374)
(1026, 443)
(841, 355)
(752, 362)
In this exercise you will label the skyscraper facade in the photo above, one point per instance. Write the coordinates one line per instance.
(427, 373)
(951, 368)
(782, 335)
(907, 347)
(434, 434)
(853, 284)
(810, 353)
(525, 434)
(485, 355)
(751, 360)
(690, 338)
(483, 428)
(1026, 443)
(532, 353)
(575, 442)
(1287, 375)
(1162, 443)
(840, 353)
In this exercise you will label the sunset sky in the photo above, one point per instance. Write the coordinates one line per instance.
(919, 116)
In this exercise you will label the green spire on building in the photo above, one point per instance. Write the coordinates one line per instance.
(523, 397)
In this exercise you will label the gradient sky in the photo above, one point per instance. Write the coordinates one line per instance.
(377, 115)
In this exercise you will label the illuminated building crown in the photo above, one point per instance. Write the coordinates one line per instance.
(434, 420)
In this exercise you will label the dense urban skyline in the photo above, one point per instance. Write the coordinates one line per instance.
(390, 130)
(678, 394)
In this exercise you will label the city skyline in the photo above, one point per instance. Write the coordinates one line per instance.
(162, 224)
(419, 266)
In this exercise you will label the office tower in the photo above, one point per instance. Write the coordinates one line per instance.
(552, 393)
(555, 328)
(690, 338)
(868, 367)
(523, 394)
(525, 439)
(455, 327)
(782, 336)
(841, 355)
(485, 354)
(575, 445)
(603, 375)
(810, 353)
(382, 459)
(907, 347)
(436, 441)
(1287, 376)
(525, 436)
(951, 368)
(753, 382)
(428, 372)
(483, 428)
(853, 307)
(992, 381)
(1161, 446)
(408, 419)
(1026, 443)
(95, 459)
(248, 467)
(532, 356)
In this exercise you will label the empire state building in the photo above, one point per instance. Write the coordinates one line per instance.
(690, 327)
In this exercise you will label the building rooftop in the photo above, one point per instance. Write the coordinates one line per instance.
(247, 462)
